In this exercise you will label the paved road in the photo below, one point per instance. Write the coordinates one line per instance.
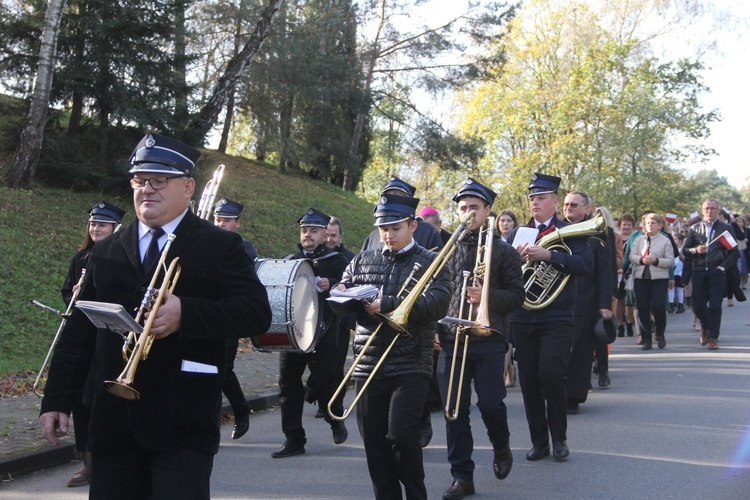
(674, 424)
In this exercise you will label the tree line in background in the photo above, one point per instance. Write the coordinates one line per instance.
(352, 92)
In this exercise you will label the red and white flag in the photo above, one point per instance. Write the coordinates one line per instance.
(727, 240)
(671, 218)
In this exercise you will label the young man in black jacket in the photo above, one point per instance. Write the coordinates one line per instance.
(485, 358)
(390, 410)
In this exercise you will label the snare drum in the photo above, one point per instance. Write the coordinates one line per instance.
(290, 285)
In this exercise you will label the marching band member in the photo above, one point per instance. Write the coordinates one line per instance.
(485, 358)
(329, 266)
(104, 218)
(542, 337)
(389, 413)
(162, 445)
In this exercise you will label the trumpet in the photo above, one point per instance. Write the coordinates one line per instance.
(123, 385)
(542, 282)
(480, 327)
(65, 317)
(397, 319)
(209, 193)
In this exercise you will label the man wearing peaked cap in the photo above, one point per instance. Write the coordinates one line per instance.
(426, 234)
(485, 355)
(542, 337)
(227, 216)
(168, 418)
(328, 265)
(390, 411)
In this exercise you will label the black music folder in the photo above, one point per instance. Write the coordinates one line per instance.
(112, 317)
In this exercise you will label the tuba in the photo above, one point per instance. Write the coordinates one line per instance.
(397, 319)
(542, 282)
(209, 193)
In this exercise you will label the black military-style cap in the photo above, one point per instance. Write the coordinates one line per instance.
(392, 208)
(106, 212)
(476, 189)
(399, 185)
(314, 218)
(541, 184)
(157, 154)
(228, 209)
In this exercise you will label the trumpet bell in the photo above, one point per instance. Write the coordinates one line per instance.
(122, 390)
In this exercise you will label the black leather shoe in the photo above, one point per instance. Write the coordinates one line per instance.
(459, 489)
(241, 425)
(289, 449)
(425, 433)
(503, 462)
(538, 453)
(647, 345)
(604, 380)
(320, 413)
(573, 409)
(560, 450)
(340, 434)
(661, 342)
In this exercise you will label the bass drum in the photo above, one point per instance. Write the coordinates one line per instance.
(294, 303)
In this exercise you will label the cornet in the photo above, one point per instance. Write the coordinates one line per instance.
(65, 317)
(397, 319)
(123, 385)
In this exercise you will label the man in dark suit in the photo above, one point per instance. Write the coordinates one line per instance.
(593, 299)
(321, 384)
(227, 216)
(163, 444)
(542, 336)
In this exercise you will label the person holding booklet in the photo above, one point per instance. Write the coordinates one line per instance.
(163, 444)
(710, 249)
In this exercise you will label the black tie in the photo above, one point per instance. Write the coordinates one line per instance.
(541, 227)
(152, 252)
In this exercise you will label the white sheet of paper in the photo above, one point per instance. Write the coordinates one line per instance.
(525, 235)
(195, 367)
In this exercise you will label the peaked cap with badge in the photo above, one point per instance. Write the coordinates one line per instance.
(106, 212)
(399, 185)
(476, 189)
(392, 208)
(542, 183)
(314, 218)
(228, 209)
(157, 154)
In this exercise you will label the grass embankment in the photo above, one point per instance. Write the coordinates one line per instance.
(40, 230)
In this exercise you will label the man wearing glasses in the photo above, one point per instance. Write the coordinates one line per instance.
(706, 264)
(161, 445)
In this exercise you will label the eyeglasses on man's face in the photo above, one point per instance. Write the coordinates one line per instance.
(156, 183)
(573, 205)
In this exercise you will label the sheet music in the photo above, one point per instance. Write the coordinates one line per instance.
(525, 235)
(362, 292)
(112, 317)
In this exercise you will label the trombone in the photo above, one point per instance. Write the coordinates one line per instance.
(397, 319)
(65, 317)
(123, 385)
(209, 193)
(480, 327)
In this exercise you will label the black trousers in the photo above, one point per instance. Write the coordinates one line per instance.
(708, 294)
(388, 416)
(542, 353)
(321, 384)
(231, 388)
(581, 359)
(136, 472)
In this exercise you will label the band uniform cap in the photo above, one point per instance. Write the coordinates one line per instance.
(392, 209)
(399, 185)
(476, 189)
(314, 218)
(106, 212)
(606, 329)
(542, 183)
(228, 209)
(427, 212)
(157, 154)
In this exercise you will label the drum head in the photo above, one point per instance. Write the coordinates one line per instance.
(304, 308)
